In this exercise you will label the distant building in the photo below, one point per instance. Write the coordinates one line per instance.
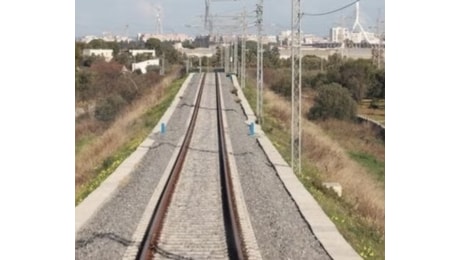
(359, 37)
(135, 52)
(339, 34)
(106, 37)
(199, 52)
(88, 38)
(310, 39)
(178, 46)
(324, 53)
(107, 54)
(266, 39)
(144, 64)
(175, 37)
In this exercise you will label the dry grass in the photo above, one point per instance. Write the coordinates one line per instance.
(354, 137)
(330, 158)
(375, 114)
(91, 156)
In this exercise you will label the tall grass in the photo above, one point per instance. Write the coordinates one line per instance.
(377, 114)
(99, 155)
(360, 213)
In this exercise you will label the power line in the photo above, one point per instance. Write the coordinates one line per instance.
(330, 12)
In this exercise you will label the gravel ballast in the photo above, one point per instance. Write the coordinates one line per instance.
(107, 234)
(280, 230)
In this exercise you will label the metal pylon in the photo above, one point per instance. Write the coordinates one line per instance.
(243, 53)
(260, 62)
(235, 55)
(296, 90)
(227, 58)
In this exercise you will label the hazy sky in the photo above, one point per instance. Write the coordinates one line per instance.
(93, 17)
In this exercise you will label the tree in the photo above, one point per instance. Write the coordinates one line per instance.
(107, 75)
(153, 44)
(272, 57)
(97, 44)
(333, 101)
(124, 58)
(377, 85)
(320, 79)
(79, 46)
(311, 62)
(108, 108)
(171, 54)
(251, 53)
(281, 83)
(334, 62)
(115, 46)
(142, 57)
(356, 76)
(188, 44)
(83, 84)
(89, 60)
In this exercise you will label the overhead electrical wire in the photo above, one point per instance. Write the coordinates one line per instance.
(330, 12)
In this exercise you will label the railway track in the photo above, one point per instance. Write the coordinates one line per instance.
(196, 216)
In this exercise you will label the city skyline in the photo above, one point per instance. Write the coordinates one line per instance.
(121, 17)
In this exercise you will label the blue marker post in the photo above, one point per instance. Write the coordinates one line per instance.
(163, 128)
(251, 129)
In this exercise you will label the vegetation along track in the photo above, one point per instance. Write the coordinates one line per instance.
(196, 216)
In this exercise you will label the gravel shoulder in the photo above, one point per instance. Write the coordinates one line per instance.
(280, 230)
(107, 234)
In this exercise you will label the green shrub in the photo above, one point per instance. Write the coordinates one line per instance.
(333, 101)
(281, 84)
(107, 109)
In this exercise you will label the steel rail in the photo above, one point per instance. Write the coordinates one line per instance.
(156, 223)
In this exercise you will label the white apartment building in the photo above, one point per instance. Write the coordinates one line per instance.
(106, 53)
(177, 37)
(106, 37)
(135, 52)
(144, 64)
(339, 34)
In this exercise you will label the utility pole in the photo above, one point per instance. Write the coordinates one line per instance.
(227, 58)
(243, 52)
(379, 53)
(221, 49)
(260, 63)
(235, 55)
(206, 14)
(186, 66)
(162, 70)
(296, 131)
